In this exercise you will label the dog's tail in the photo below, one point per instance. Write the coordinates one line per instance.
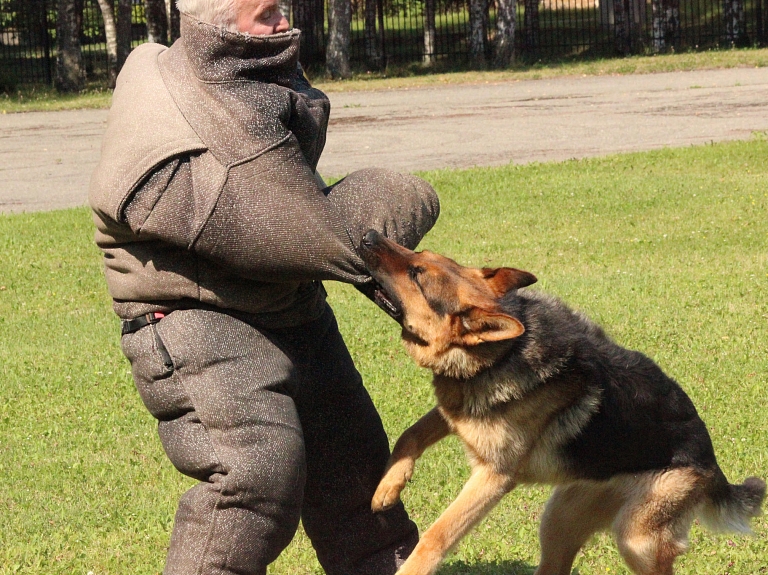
(730, 507)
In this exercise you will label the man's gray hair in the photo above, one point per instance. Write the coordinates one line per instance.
(222, 13)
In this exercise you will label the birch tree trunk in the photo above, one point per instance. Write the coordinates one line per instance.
(285, 8)
(531, 25)
(658, 39)
(735, 30)
(372, 47)
(70, 69)
(506, 20)
(174, 20)
(477, 32)
(157, 21)
(337, 52)
(666, 24)
(430, 33)
(110, 31)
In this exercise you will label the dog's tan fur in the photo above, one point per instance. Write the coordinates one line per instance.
(513, 423)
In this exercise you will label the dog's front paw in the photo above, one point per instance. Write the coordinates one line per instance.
(387, 495)
(388, 492)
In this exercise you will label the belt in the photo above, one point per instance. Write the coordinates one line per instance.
(135, 324)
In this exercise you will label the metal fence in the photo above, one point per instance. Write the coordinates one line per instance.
(394, 33)
(26, 42)
(564, 28)
(28, 39)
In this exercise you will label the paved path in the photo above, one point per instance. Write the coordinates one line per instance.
(46, 158)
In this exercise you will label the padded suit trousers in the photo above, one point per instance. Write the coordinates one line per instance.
(277, 427)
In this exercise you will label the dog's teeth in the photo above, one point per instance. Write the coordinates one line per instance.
(384, 302)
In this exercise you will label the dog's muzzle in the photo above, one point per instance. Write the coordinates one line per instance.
(374, 290)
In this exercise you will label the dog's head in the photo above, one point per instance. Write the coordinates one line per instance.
(451, 318)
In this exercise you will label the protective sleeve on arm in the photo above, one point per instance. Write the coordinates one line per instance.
(271, 222)
(400, 206)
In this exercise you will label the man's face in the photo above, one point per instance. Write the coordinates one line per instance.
(260, 17)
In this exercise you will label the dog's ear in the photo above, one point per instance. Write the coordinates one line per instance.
(503, 280)
(480, 326)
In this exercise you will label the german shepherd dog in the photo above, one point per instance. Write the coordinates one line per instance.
(539, 394)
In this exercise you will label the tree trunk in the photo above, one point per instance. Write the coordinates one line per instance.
(285, 8)
(763, 27)
(430, 32)
(174, 20)
(658, 39)
(477, 32)
(79, 10)
(306, 16)
(110, 31)
(506, 20)
(531, 26)
(621, 22)
(735, 30)
(372, 48)
(319, 25)
(666, 24)
(629, 19)
(124, 17)
(157, 21)
(337, 52)
(70, 69)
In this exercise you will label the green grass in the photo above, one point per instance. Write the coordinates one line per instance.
(667, 249)
(416, 75)
(41, 98)
(45, 98)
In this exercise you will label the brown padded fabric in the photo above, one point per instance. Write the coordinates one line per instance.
(238, 221)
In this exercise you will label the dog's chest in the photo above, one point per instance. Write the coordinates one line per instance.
(505, 434)
(490, 440)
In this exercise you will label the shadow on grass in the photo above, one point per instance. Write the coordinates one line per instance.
(487, 568)
(490, 568)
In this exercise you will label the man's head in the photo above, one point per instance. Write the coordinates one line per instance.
(257, 17)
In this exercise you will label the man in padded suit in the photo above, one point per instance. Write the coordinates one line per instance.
(216, 234)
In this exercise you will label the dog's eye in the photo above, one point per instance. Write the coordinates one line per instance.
(414, 271)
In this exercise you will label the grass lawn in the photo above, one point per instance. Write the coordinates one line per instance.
(667, 249)
(45, 98)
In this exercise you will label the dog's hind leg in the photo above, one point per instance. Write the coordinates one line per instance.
(480, 494)
(428, 430)
(572, 515)
(652, 527)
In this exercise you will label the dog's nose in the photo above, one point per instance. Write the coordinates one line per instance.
(370, 238)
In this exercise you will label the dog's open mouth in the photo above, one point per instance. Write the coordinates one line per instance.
(386, 302)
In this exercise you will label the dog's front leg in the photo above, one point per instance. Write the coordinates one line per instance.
(428, 430)
(480, 494)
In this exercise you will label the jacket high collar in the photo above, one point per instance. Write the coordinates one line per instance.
(217, 55)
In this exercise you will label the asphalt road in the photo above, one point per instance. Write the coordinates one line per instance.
(47, 157)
